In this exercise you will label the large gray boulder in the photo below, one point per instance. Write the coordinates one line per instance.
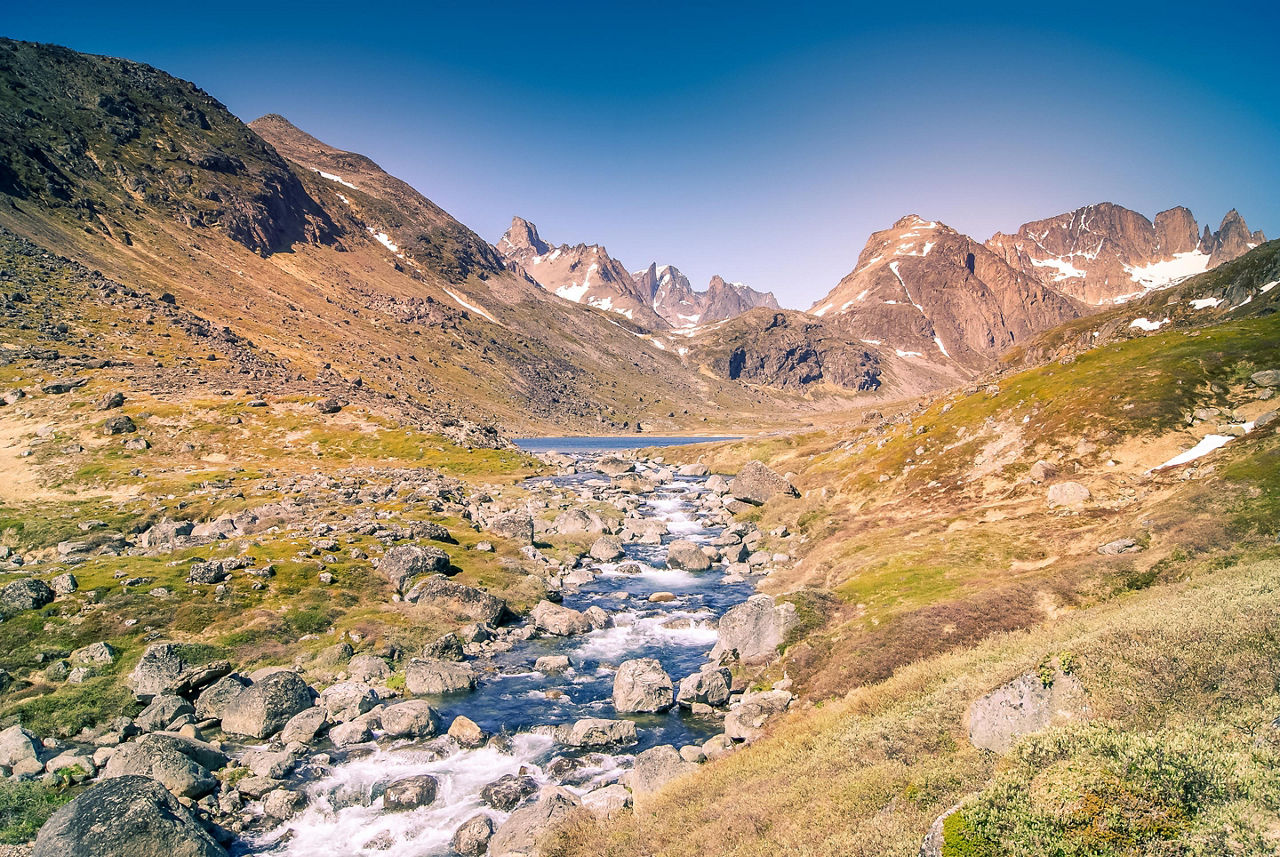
(1068, 495)
(127, 816)
(746, 720)
(413, 718)
(369, 669)
(559, 620)
(347, 700)
(461, 600)
(304, 726)
(1266, 378)
(262, 709)
(521, 832)
(709, 686)
(575, 521)
(656, 767)
(642, 685)
(596, 732)
(517, 526)
(410, 793)
(213, 700)
(17, 745)
(162, 758)
(757, 484)
(1024, 706)
(402, 564)
(611, 465)
(508, 792)
(163, 669)
(28, 594)
(163, 710)
(435, 676)
(471, 839)
(687, 555)
(607, 549)
(753, 630)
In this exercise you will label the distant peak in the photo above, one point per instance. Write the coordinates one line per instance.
(523, 235)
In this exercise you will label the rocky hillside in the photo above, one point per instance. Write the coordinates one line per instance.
(1105, 253)
(675, 299)
(582, 273)
(927, 293)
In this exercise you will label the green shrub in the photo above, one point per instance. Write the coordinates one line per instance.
(73, 707)
(24, 808)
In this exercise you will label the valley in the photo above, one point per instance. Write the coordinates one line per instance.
(328, 527)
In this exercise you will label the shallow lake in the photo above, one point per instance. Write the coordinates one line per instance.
(609, 444)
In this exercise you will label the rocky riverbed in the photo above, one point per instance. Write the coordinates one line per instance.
(629, 673)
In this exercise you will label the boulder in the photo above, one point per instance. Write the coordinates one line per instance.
(213, 699)
(1042, 471)
(656, 767)
(262, 709)
(552, 664)
(347, 700)
(634, 483)
(423, 676)
(596, 732)
(466, 732)
(521, 832)
(18, 745)
(753, 630)
(597, 617)
(94, 654)
(560, 621)
(160, 667)
(607, 549)
(687, 555)
(413, 718)
(401, 564)
(576, 521)
(369, 669)
(466, 601)
(517, 526)
(746, 720)
(447, 648)
(126, 816)
(472, 838)
(1266, 378)
(611, 465)
(709, 686)
(64, 584)
(757, 484)
(304, 726)
(161, 758)
(410, 793)
(282, 804)
(932, 844)
(356, 731)
(1068, 495)
(119, 425)
(642, 685)
(695, 469)
(1120, 546)
(717, 484)
(1024, 706)
(163, 710)
(28, 594)
(508, 792)
(608, 801)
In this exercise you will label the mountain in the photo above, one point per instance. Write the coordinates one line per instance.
(938, 297)
(339, 279)
(582, 273)
(1105, 253)
(675, 299)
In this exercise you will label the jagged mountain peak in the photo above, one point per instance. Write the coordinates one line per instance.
(522, 236)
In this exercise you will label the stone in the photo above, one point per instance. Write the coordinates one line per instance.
(608, 801)
(746, 720)
(110, 401)
(410, 793)
(611, 465)
(508, 792)
(517, 526)
(1024, 706)
(402, 564)
(161, 757)
(597, 617)
(461, 600)
(717, 484)
(437, 677)
(552, 664)
(262, 709)
(447, 648)
(596, 732)
(520, 833)
(471, 839)
(356, 731)
(17, 745)
(282, 804)
(160, 667)
(274, 765)
(575, 521)
(757, 484)
(693, 753)
(695, 469)
(642, 685)
(328, 406)
(656, 767)
(28, 594)
(163, 710)
(753, 631)
(213, 700)
(932, 844)
(127, 816)
(414, 718)
(1042, 471)
(75, 765)
(1069, 495)
(119, 425)
(304, 726)
(64, 584)
(1266, 378)
(1119, 546)
(347, 700)
(687, 555)
(607, 549)
(709, 686)
(466, 732)
(557, 620)
(369, 669)
(95, 654)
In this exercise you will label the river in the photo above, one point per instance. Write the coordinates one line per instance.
(344, 815)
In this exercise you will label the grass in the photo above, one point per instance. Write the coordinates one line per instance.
(72, 707)
(25, 806)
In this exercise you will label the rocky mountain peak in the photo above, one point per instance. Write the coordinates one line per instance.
(522, 237)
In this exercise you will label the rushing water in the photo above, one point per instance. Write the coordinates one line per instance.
(573, 445)
(344, 814)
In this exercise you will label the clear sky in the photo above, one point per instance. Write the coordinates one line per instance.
(763, 142)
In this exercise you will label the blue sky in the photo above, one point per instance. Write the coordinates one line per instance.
(763, 142)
